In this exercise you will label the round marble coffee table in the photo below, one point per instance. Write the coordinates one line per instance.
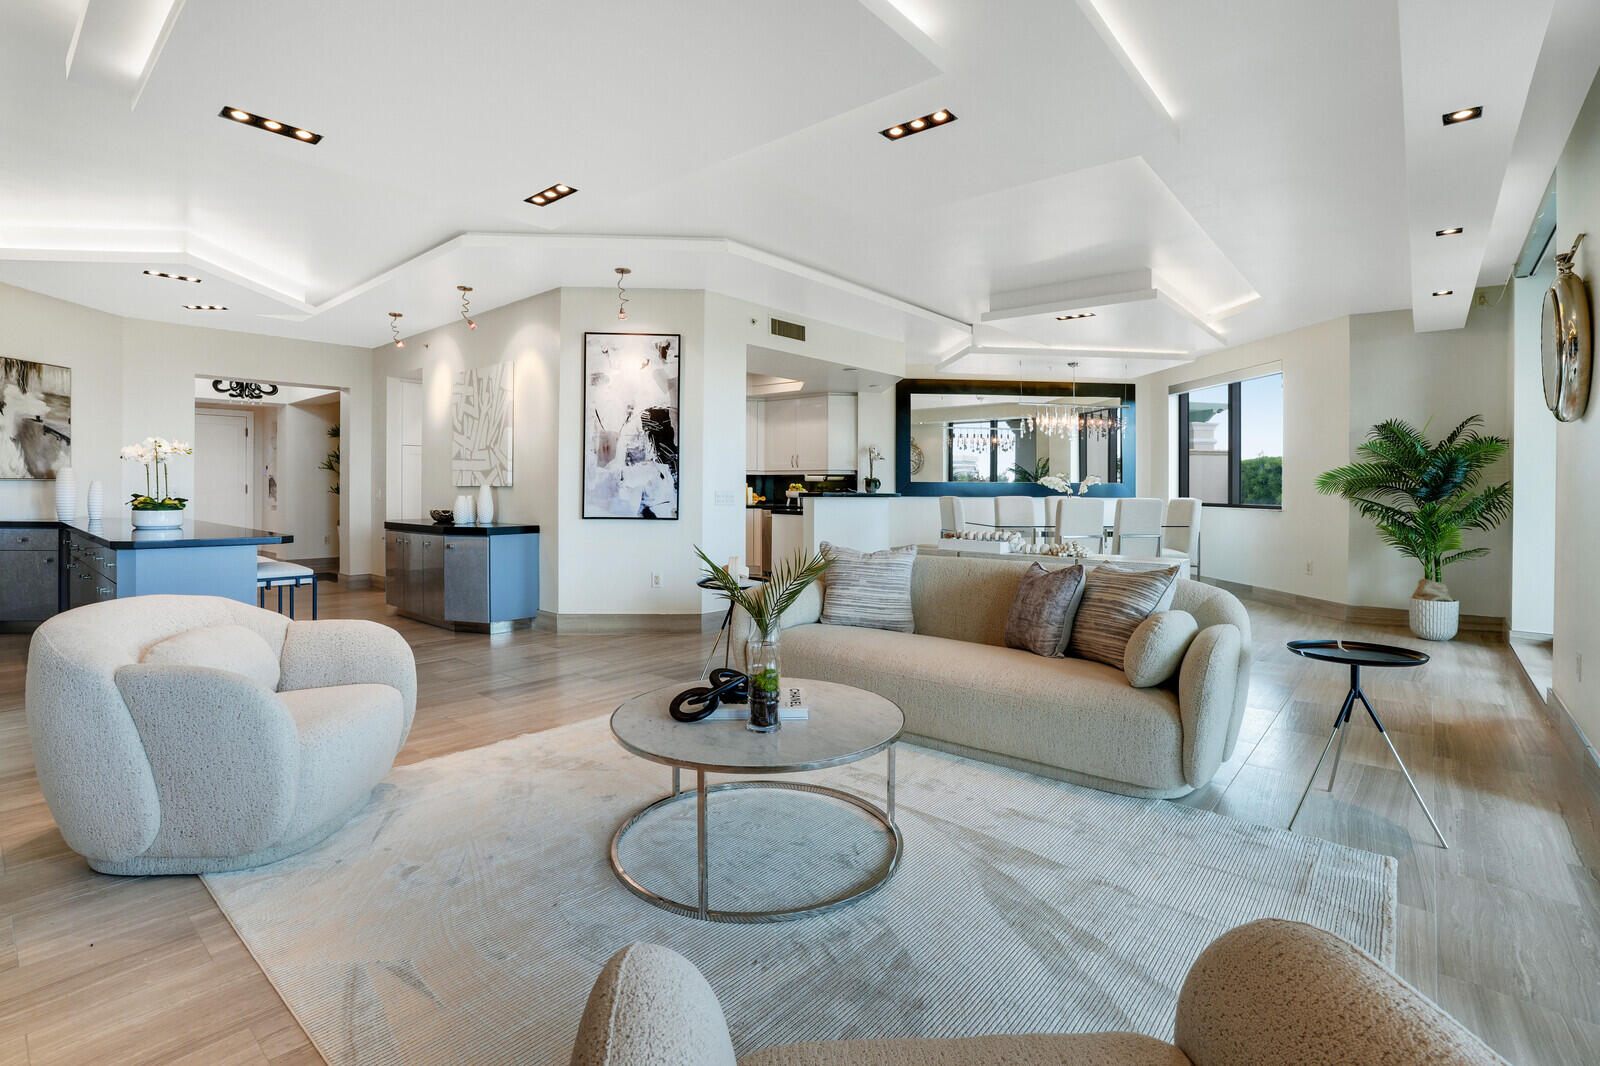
(845, 725)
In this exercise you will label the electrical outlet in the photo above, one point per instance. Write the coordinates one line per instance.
(655, 580)
(324, 540)
(1580, 666)
(1308, 567)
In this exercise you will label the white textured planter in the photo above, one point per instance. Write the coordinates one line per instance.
(1435, 619)
(157, 519)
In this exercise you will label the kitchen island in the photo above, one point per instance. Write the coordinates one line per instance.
(857, 520)
(48, 566)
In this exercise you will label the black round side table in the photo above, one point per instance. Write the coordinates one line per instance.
(1355, 654)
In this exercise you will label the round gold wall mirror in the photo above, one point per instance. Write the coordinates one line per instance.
(1568, 341)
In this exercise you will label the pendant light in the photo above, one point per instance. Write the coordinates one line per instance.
(466, 305)
(394, 328)
(622, 294)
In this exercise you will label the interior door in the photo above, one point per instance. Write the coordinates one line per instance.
(223, 466)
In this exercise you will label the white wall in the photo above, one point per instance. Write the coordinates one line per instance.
(1533, 459)
(1577, 638)
(1272, 549)
(304, 502)
(43, 330)
(1434, 379)
(875, 425)
(528, 334)
(134, 379)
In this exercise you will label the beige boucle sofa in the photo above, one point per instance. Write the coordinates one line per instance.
(962, 690)
(164, 767)
(1270, 993)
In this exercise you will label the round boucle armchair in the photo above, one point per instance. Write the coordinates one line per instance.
(1269, 993)
(194, 734)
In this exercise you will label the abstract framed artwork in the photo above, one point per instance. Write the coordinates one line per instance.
(630, 425)
(480, 426)
(35, 419)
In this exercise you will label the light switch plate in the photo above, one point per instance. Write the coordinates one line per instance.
(727, 498)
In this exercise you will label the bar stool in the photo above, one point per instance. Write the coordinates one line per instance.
(273, 573)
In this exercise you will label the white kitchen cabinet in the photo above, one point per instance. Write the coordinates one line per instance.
(755, 437)
(807, 435)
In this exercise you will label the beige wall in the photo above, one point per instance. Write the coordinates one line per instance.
(1434, 379)
(1577, 489)
(1304, 548)
(134, 379)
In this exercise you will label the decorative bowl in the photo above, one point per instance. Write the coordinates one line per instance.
(443, 518)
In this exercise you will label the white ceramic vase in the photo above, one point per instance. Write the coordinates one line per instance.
(1435, 619)
(465, 512)
(97, 500)
(485, 504)
(66, 495)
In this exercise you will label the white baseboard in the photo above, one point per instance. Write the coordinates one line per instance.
(1576, 743)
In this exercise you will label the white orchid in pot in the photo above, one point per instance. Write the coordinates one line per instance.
(156, 507)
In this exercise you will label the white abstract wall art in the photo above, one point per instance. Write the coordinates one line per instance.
(480, 426)
(630, 425)
(35, 419)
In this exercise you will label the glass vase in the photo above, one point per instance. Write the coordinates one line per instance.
(763, 667)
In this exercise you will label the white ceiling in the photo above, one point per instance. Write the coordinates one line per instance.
(1264, 169)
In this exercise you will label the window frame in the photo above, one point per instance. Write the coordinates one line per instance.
(1235, 444)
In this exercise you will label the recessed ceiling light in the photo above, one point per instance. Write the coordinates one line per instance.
(1443, 292)
(1079, 314)
(270, 125)
(550, 195)
(1466, 114)
(917, 125)
(174, 277)
(1451, 232)
(204, 307)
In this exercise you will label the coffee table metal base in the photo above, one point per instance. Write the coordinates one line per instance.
(701, 793)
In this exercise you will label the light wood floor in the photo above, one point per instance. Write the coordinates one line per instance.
(1503, 929)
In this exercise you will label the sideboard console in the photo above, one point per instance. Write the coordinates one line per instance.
(478, 577)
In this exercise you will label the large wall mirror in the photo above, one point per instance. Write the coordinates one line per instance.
(984, 438)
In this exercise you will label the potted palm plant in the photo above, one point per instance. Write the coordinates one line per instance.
(1422, 496)
(765, 606)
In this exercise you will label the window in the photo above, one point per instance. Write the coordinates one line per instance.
(982, 451)
(1230, 443)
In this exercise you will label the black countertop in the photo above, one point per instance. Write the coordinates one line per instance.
(493, 529)
(118, 533)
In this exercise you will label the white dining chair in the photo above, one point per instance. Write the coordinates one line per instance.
(1015, 512)
(1081, 520)
(1137, 530)
(951, 518)
(1181, 530)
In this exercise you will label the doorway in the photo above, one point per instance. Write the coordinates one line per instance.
(403, 468)
(223, 468)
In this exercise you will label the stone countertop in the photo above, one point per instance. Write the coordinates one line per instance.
(428, 525)
(118, 533)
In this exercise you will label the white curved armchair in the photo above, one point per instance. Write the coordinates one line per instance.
(168, 739)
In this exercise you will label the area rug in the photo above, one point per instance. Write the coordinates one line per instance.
(463, 915)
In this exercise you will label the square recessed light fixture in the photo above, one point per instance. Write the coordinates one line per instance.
(550, 195)
(174, 277)
(1451, 232)
(204, 307)
(1466, 114)
(917, 125)
(1077, 314)
(283, 129)
(1443, 292)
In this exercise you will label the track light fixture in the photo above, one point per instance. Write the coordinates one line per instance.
(282, 129)
(394, 328)
(466, 306)
(622, 294)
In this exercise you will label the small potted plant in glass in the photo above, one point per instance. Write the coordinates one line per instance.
(765, 605)
(156, 507)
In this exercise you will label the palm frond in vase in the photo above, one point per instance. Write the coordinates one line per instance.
(765, 604)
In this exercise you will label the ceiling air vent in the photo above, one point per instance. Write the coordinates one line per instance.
(793, 330)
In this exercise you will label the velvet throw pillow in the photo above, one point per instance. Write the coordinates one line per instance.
(868, 589)
(1041, 614)
(1115, 602)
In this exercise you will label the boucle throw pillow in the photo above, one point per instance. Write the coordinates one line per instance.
(1157, 647)
(1041, 614)
(1115, 601)
(868, 589)
(232, 648)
